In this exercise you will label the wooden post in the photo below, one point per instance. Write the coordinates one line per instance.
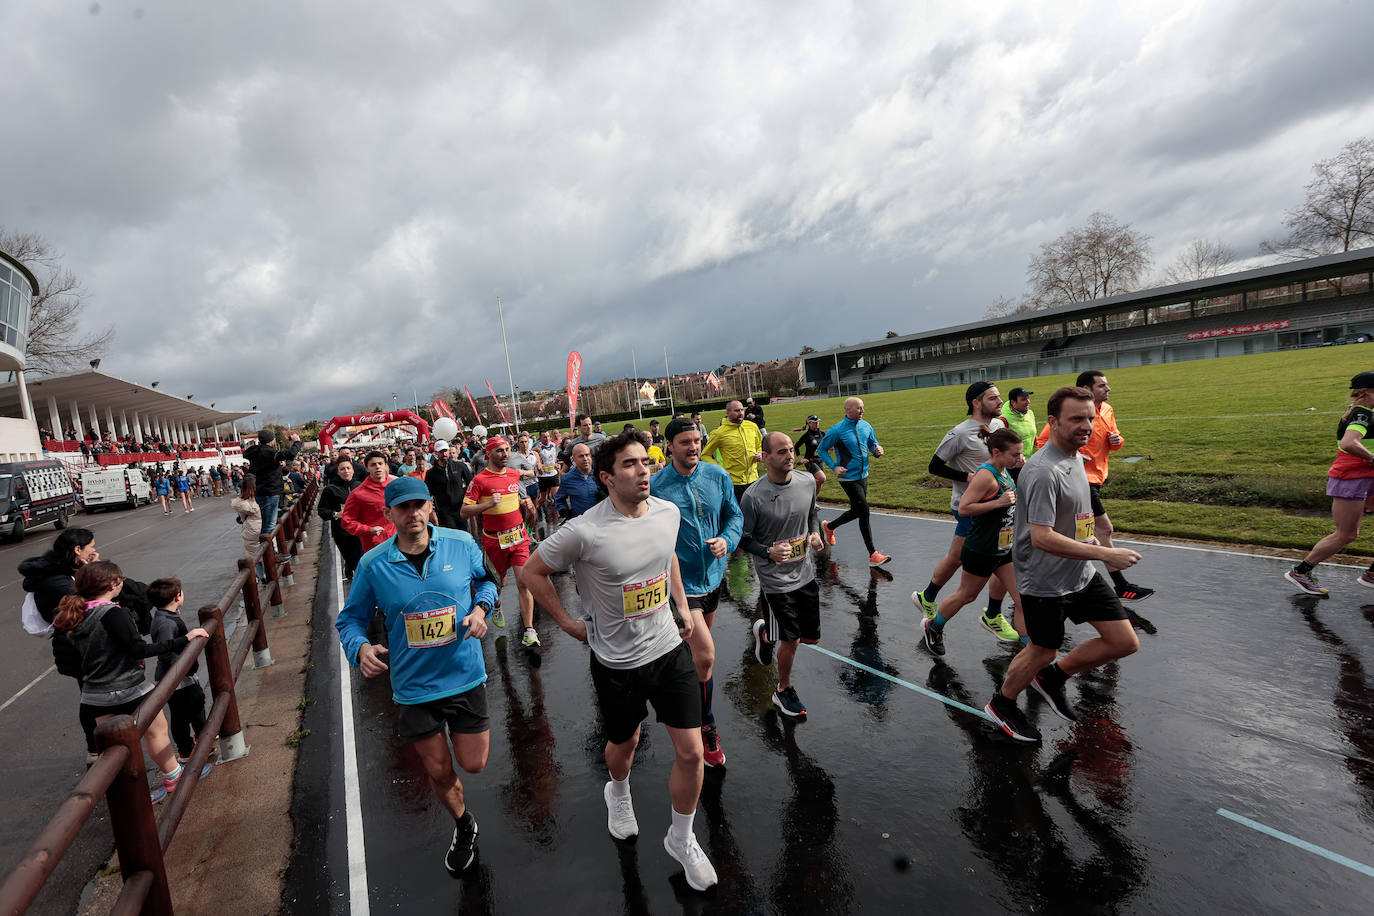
(131, 814)
(221, 676)
(252, 607)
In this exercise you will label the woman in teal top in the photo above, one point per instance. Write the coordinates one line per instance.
(990, 502)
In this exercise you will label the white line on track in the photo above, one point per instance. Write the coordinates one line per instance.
(27, 687)
(357, 855)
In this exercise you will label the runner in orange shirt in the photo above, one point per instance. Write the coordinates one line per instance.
(1104, 440)
(495, 495)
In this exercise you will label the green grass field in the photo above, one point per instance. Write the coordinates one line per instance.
(1232, 449)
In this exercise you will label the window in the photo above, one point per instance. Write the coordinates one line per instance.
(957, 346)
(929, 351)
(1048, 331)
(1276, 295)
(1017, 336)
(1132, 319)
(1163, 313)
(1218, 305)
(984, 342)
(1359, 283)
(1324, 289)
(1086, 326)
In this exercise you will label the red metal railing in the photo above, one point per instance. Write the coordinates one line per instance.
(119, 774)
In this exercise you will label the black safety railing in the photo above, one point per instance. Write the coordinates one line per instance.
(119, 775)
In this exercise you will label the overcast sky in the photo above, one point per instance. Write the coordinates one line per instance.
(310, 205)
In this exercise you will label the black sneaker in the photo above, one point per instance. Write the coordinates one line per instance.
(789, 703)
(463, 849)
(933, 638)
(763, 649)
(1051, 690)
(1129, 592)
(1010, 719)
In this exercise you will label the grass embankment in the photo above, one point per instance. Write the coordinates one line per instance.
(1232, 449)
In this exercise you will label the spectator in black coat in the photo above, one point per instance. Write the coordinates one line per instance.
(265, 463)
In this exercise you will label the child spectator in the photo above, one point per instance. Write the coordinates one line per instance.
(188, 700)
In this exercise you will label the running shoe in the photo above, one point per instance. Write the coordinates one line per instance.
(157, 794)
(933, 638)
(1367, 578)
(1306, 583)
(710, 742)
(1051, 691)
(928, 608)
(698, 869)
(171, 784)
(829, 533)
(999, 626)
(498, 618)
(530, 639)
(620, 815)
(463, 849)
(878, 558)
(1008, 717)
(1129, 592)
(763, 649)
(789, 703)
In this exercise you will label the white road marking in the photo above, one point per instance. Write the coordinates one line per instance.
(357, 855)
(27, 687)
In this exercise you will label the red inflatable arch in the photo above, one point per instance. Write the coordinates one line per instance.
(408, 417)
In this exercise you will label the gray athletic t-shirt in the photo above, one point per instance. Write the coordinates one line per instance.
(624, 568)
(1052, 489)
(962, 450)
(782, 512)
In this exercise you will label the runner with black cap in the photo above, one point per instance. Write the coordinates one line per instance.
(845, 448)
(1349, 483)
(435, 595)
(957, 459)
(495, 495)
(807, 444)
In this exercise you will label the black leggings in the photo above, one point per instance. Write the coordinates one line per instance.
(350, 547)
(857, 491)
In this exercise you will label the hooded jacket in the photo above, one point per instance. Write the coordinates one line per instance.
(334, 495)
(264, 463)
(49, 580)
(111, 650)
(706, 501)
(364, 509)
(736, 443)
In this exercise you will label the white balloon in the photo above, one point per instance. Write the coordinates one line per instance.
(444, 428)
(479, 431)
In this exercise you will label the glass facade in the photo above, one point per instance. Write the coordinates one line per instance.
(15, 302)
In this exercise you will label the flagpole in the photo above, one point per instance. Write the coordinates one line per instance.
(509, 378)
(669, 380)
(638, 406)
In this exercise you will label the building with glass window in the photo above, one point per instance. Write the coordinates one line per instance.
(1309, 303)
(18, 286)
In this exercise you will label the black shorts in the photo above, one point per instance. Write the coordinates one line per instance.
(706, 603)
(1045, 617)
(463, 713)
(812, 467)
(547, 483)
(739, 491)
(1095, 499)
(668, 682)
(983, 564)
(127, 708)
(795, 614)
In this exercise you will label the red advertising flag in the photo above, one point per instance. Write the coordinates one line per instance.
(441, 409)
(574, 380)
(475, 412)
(499, 409)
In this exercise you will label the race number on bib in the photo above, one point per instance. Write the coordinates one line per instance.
(796, 549)
(1004, 538)
(1083, 530)
(431, 629)
(642, 598)
(511, 537)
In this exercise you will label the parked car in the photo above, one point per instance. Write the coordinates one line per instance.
(109, 487)
(33, 493)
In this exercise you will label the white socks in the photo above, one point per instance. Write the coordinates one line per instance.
(620, 788)
(681, 830)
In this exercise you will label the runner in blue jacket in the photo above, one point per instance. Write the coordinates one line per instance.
(433, 589)
(852, 440)
(707, 534)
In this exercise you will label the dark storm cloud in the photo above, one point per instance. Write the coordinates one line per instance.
(327, 198)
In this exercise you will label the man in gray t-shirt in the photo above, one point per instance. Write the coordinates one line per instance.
(628, 578)
(956, 459)
(781, 528)
(1052, 550)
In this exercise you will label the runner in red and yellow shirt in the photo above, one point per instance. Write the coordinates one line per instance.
(494, 494)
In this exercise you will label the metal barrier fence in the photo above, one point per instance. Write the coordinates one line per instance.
(119, 774)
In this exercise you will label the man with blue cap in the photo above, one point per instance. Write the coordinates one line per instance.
(435, 594)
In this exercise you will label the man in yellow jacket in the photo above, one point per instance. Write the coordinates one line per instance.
(737, 446)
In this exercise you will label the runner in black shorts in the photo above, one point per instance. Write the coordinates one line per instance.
(667, 683)
(806, 445)
(1054, 546)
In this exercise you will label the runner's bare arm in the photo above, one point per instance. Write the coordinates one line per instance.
(680, 598)
(469, 510)
(537, 579)
(982, 486)
(1044, 537)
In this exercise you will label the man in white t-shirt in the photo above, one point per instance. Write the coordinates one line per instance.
(627, 574)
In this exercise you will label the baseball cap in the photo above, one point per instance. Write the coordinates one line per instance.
(440, 445)
(1018, 392)
(813, 419)
(679, 425)
(975, 391)
(496, 442)
(1363, 380)
(404, 489)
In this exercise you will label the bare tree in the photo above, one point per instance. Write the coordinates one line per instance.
(54, 342)
(1101, 258)
(1338, 214)
(1006, 306)
(1202, 258)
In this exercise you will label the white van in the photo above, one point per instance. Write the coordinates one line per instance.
(114, 487)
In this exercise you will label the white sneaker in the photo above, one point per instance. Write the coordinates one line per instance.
(620, 815)
(701, 874)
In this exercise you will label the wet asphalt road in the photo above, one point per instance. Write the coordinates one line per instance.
(42, 754)
(887, 800)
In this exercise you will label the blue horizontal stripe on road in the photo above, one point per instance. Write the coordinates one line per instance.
(1294, 841)
(896, 680)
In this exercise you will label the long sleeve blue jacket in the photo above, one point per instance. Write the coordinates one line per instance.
(576, 492)
(706, 500)
(429, 654)
(853, 441)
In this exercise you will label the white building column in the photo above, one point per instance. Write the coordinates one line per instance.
(25, 405)
(95, 423)
(123, 422)
(109, 422)
(55, 418)
(76, 422)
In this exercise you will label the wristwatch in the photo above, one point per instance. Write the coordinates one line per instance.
(485, 607)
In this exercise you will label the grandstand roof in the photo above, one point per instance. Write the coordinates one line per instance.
(105, 390)
(1358, 261)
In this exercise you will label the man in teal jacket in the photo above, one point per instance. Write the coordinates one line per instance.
(852, 440)
(435, 593)
(707, 534)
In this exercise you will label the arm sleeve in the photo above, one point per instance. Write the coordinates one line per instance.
(1111, 428)
(560, 502)
(355, 614)
(872, 443)
(733, 519)
(940, 469)
(560, 549)
(329, 504)
(814, 518)
(163, 630)
(827, 445)
(709, 450)
(746, 540)
(121, 628)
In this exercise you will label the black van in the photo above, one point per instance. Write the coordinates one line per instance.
(34, 493)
